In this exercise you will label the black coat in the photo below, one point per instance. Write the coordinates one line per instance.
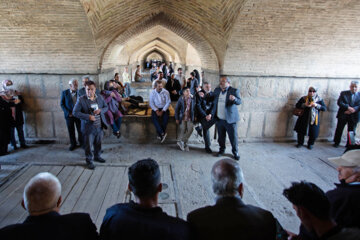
(344, 102)
(53, 226)
(6, 121)
(344, 202)
(303, 121)
(204, 104)
(344, 208)
(131, 221)
(171, 87)
(19, 111)
(231, 219)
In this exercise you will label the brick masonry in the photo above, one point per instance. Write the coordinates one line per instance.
(272, 50)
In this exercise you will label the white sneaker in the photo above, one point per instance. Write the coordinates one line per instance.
(181, 145)
(163, 137)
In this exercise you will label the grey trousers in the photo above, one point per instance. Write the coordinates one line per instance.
(92, 139)
(185, 130)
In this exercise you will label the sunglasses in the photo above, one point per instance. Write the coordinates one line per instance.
(312, 91)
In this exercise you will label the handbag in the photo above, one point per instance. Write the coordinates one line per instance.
(298, 112)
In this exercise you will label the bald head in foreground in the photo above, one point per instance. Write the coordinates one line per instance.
(42, 199)
(230, 217)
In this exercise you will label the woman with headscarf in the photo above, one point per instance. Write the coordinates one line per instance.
(18, 100)
(7, 116)
(113, 100)
(309, 122)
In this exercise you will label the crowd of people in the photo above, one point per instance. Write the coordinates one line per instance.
(197, 107)
(333, 215)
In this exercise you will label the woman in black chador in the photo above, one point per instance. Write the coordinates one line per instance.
(309, 122)
(7, 121)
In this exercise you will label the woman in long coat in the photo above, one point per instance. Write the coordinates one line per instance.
(309, 122)
(7, 114)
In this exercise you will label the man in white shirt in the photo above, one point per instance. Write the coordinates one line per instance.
(159, 102)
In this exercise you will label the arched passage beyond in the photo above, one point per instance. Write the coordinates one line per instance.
(179, 33)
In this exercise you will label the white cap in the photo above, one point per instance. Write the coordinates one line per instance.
(348, 159)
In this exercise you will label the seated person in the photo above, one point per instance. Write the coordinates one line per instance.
(127, 101)
(161, 78)
(159, 102)
(42, 199)
(174, 87)
(313, 208)
(230, 217)
(345, 198)
(143, 218)
(113, 100)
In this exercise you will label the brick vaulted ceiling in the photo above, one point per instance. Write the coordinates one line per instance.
(206, 22)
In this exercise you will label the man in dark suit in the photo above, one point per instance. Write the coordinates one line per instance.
(42, 199)
(226, 114)
(349, 105)
(91, 108)
(204, 105)
(230, 218)
(142, 218)
(67, 103)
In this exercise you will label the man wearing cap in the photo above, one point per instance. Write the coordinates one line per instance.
(345, 198)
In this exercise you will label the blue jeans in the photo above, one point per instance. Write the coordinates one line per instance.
(116, 125)
(92, 139)
(160, 123)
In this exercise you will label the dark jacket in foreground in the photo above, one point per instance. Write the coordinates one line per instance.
(345, 204)
(130, 221)
(230, 219)
(76, 226)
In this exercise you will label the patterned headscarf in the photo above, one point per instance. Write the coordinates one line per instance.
(5, 91)
(314, 111)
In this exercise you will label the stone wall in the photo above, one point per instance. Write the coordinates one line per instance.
(266, 111)
(267, 104)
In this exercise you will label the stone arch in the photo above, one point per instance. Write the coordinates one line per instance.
(167, 56)
(208, 56)
(170, 50)
(153, 55)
